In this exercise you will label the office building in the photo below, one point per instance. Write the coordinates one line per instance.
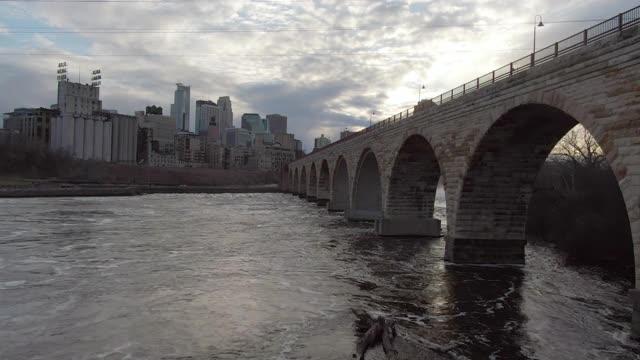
(226, 114)
(181, 106)
(277, 124)
(254, 123)
(274, 158)
(156, 140)
(191, 149)
(163, 130)
(346, 133)
(285, 141)
(238, 137)
(207, 116)
(321, 142)
(299, 149)
(31, 126)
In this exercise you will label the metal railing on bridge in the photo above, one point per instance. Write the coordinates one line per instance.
(608, 27)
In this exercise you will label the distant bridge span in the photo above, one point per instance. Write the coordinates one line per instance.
(487, 140)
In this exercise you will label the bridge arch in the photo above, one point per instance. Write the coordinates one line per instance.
(313, 183)
(412, 189)
(303, 183)
(367, 189)
(339, 196)
(323, 183)
(491, 214)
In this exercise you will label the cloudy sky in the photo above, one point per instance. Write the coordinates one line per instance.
(326, 64)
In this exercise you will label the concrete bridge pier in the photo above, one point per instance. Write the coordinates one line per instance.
(635, 322)
(408, 227)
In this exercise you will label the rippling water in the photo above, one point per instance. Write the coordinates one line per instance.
(269, 276)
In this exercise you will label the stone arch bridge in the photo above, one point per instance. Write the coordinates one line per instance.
(487, 141)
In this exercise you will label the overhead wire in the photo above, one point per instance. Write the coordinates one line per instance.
(114, 30)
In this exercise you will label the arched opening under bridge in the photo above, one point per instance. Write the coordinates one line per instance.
(302, 187)
(412, 190)
(367, 192)
(493, 207)
(313, 184)
(339, 197)
(323, 184)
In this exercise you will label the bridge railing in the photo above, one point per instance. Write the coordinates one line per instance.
(606, 28)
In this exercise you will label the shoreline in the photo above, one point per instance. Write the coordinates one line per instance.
(132, 190)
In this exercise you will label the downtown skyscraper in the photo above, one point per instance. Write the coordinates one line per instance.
(180, 107)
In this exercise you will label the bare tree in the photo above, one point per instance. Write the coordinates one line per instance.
(580, 148)
(577, 149)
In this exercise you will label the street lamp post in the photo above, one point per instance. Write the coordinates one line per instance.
(371, 118)
(539, 24)
(419, 92)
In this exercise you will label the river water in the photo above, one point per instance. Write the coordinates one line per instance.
(270, 276)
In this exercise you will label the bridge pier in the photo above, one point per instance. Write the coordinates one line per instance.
(322, 202)
(362, 215)
(336, 206)
(408, 227)
(485, 251)
(635, 322)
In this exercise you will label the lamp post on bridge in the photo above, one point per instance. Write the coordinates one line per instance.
(540, 24)
(420, 92)
(371, 118)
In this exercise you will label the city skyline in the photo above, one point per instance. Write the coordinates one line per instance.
(334, 80)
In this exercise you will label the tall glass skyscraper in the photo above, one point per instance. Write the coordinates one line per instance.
(226, 113)
(255, 124)
(180, 107)
(277, 123)
(207, 115)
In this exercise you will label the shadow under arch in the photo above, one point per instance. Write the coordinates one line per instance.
(295, 182)
(339, 196)
(497, 186)
(285, 178)
(302, 188)
(412, 190)
(367, 189)
(313, 183)
(323, 184)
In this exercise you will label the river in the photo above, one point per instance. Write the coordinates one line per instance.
(270, 276)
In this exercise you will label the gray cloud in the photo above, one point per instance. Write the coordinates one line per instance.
(323, 80)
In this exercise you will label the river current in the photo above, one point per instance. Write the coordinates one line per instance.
(270, 276)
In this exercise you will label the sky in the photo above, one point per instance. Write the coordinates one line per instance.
(328, 65)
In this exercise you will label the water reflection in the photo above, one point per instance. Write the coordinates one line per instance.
(488, 314)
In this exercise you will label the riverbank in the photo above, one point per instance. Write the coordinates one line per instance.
(69, 190)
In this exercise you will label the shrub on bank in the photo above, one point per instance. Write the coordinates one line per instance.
(581, 210)
(40, 163)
